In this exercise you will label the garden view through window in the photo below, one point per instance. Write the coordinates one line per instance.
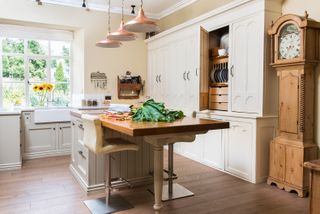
(26, 63)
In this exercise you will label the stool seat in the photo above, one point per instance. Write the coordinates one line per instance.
(94, 140)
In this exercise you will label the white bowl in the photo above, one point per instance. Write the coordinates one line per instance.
(222, 52)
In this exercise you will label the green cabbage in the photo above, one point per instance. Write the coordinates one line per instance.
(155, 112)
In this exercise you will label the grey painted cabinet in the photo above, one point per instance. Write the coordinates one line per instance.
(10, 157)
(43, 140)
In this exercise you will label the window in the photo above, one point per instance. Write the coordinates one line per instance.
(25, 62)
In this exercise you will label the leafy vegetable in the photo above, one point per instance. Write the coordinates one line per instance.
(156, 112)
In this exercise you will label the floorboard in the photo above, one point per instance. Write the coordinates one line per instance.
(45, 186)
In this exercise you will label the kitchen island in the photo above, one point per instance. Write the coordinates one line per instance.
(159, 134)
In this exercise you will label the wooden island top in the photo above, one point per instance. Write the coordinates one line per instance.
(187, 124)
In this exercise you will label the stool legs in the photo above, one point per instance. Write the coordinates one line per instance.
(108, 204)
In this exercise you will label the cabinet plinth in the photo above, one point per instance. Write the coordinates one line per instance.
(294, 65)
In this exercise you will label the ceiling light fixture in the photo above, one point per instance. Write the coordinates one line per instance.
(132, 10)
(84, 3)
(39, 2)
(141, 23)
(121, 34)
(108, 43)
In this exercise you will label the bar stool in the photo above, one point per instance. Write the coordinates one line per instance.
(94, 140)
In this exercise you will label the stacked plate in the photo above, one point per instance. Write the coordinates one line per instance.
(219, 75)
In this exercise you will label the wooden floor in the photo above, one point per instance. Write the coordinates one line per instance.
(46, 186)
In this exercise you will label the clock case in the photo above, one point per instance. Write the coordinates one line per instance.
(294, 141)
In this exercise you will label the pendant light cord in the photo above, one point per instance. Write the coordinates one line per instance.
(141, 3)
(109, 27)
(122, 18)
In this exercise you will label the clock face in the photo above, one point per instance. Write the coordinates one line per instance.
(289, 42)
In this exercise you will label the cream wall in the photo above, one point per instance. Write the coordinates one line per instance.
(89, 27)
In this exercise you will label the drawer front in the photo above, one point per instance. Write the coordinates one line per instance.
(219, 98)
(219, 90)
(82, 160)
(219, 106)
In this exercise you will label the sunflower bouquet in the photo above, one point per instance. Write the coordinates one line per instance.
(42, 90)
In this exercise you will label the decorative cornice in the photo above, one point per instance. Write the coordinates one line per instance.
(103, 7)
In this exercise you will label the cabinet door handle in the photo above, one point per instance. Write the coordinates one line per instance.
(160, 78)
(196, 71)
(81, 153)
(54, 128)
(188, 75)
(157, 79)
(231, 71)
(73, 124)
(184, 75)
(80, 126)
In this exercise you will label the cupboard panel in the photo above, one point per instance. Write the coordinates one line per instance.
(239, 147)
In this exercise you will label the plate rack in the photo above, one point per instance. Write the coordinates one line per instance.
(219, 90)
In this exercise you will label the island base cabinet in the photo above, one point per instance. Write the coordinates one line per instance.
(242, 150)
(89, 168)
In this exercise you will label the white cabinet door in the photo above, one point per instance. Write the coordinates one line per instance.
(10, 141)
(213, 149)
(64, 132)
(247, 65)
(40, 138)
(238, 149)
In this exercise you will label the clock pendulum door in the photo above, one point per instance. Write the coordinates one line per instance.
(295, 48)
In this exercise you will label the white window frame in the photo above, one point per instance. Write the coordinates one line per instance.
(30, 33)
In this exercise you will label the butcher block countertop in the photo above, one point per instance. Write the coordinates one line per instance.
(187, 124)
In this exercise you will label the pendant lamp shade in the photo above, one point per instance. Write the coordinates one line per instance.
(141, 24)
(121, 34)
(108, 43)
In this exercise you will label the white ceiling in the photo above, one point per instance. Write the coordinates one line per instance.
(156, 9)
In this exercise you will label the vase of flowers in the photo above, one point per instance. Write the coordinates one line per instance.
(41, 90)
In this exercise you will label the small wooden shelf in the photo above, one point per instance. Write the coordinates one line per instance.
(220, 59)
(219, 84)
(134, 88)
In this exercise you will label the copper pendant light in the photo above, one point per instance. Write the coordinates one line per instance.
(108, 43)
(141, 23)
(121, 34)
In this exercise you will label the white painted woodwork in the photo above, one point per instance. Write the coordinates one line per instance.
(247, 64)
(10, 156)
(43, 140)
(243, 149)
(88, 168)
(40, 138)
(239, 147)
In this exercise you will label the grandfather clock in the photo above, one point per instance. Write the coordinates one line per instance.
(295, 54)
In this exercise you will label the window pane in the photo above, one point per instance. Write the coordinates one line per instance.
(60, 48)
(12, 45)
(13, 68)
(13, 94)
(61, 94)
(38, 47)
(60, 70)
(37, 70)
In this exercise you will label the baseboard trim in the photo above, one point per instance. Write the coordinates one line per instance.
(34, 155)
(10, 166)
